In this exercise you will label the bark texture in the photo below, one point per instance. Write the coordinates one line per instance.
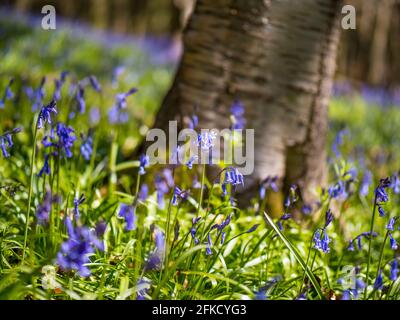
(278, 58)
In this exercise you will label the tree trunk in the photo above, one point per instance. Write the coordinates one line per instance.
(278, 58)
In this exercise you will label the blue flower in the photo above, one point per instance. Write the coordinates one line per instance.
(128, 213)
(144, 162)
(285, 216)
(94, 116)
(100, 228)
(394, 270)
(321, 244)
(306, 209)
(116, 113)
(43, 209)
(338, 190)
(193, 122)
(395, 183)
(209, 245)
(358, 239)
(46, 166)
(80, 99)
(232, 177)
(381, 195)
(66, 138)
(155, 260)
(74, 253)
(95, 84)
(58, 85)
(45, 114)
(253, 228)
(393, 243)
(365, 183)
(328, 217)
(237, 111)
(6, 141)
(205, 140)
(8, 94)
(190, 162)
(378, 284)
(143, 192)
(338, 141)
(390, 225)
(87, 147)
(77, 202)
(178, 194)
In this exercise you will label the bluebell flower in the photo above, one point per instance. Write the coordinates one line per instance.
(380, 191)
(346, 295)
(209, 245)
(128, 213)
(80, 99)
(116, 113)
(237, 112)
(338, 190)
(392, 241)
(46, 166)
(77, 202)
(95, 83)
(285, 216)
(321, 244)
(268, 183)
(45, 114)
(223, 235)
(358, 240)
(87, 146)
(144, 163)
(381, 211)
(205, 139)
(394, 270)
(141, 294)
(306, 209)
(66, 138)
(338, 142)
(100, 228)
(161, 188)
(301, 296)
(193, 122)
(43, 209)
(178, 194)
(325, 242)
(6, 141)
(253, 228)
(395, 183)
(58, 85)
(74, 253)
(365, 183)
(232, 177)
(94, 116)
(378, 284)
(168, 176)
(155, 260)
(143, 192)
(8, 94)
(193, 230)
(390, 225)
(328, 217)
(190, 162)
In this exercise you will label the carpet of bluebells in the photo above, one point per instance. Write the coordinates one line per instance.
(81, 219)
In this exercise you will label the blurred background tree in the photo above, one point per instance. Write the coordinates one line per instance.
(368, 54)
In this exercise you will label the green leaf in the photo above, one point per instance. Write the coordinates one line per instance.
(299, 259)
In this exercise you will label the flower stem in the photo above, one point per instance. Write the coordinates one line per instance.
(369, 248)
(33, 155)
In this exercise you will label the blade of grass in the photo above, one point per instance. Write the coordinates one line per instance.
(299, 259)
